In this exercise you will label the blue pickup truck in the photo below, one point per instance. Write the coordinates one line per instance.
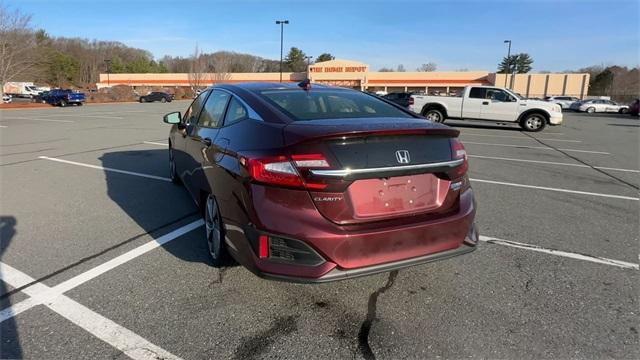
(63, 97)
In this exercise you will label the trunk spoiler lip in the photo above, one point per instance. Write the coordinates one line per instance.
(389, 131)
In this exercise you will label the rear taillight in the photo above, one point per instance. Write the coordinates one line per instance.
(286, 170)
(411, 100)
(458, 152)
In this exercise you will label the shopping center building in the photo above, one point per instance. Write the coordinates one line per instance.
(356, 75)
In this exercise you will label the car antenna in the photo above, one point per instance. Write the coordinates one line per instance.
(305, 84)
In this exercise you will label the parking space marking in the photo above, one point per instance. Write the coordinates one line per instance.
(538, 147)
(126, 257)
(39, 119)
(552, 163)
(591, 258)
(121, 338)
(2, 126)
(520, 137)
(155, 143)
(622, 197)
(105, 168)
(90, 116)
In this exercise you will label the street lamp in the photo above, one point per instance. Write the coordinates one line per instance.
(506, 70)
(108, 62)
(281, 23)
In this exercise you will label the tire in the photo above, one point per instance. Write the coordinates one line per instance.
(79, 104)
(623, 111)
(163, 100)
(141, 100)
(173, 173)
(434, 115)
(591, 110)
(533, 122)
(214, 229)
(63, 103)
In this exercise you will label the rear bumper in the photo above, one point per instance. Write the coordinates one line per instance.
(347, 251)
(337, 274)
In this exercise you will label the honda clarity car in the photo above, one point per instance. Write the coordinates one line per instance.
(310, 183)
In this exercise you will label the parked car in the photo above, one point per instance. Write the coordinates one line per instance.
(64, 97)
(6, 99)
(41, 98)
(634, 107)
(402, 99)
(599, 105)
(564, 101)
(156, 96)
(323, 183)
(21, 89)
(490, 104)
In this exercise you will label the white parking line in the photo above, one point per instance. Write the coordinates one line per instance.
(538, 147)
(520, 137)
(2, 126)
(106, 169)
(40, 293)
(155, 143)
(121, 338)
(556, 189)
(88, 116)
(39, 119)
(552, 163)
(595, 259)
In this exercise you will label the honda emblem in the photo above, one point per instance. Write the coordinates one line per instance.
(403, 156)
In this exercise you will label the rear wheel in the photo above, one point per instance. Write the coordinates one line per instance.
(533, 122)
(623, 111)
(63, 103)
(163, 100)
(141, 99)
(434, 115)
(591, 110)
(215, 232)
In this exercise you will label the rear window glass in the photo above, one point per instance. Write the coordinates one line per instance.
(326, 104)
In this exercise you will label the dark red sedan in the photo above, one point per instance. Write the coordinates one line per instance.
(314, 183)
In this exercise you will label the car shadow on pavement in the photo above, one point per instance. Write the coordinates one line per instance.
(157, 206)
(10, 341)
(479, 125)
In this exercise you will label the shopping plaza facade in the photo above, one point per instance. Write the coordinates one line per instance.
(356, 75)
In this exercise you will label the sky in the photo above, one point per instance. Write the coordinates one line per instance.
(559, 35)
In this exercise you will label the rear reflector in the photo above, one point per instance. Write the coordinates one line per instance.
(263, 246)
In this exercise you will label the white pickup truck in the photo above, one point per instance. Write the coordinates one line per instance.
(491, 104)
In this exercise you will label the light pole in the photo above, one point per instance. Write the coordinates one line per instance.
(308, 64)
(506, 70)
(281, 23)
(108, 62)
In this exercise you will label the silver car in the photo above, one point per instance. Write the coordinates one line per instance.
(565, 102)
(599, 105)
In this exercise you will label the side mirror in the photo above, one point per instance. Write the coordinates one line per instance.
(173, 118)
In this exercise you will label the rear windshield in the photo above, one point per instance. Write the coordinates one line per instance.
(330, 104)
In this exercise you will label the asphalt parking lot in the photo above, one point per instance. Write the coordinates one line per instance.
(103, 257)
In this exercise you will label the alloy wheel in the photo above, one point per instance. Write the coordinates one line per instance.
(534, 122)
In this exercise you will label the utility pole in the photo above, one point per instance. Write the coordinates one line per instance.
(506, 70)
(281, 23)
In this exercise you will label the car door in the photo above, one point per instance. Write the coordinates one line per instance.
(202, 149)
(499, 105)
(179, 137)
(472, 104)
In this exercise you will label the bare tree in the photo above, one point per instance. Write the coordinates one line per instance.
(17, 46)
(197, 70)
(430, 66)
